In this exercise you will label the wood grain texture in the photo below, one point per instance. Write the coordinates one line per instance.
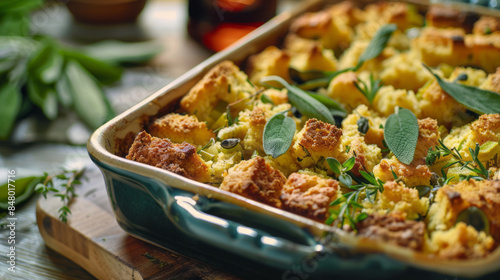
(93, 239)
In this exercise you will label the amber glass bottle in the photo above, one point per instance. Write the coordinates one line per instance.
(219, 23)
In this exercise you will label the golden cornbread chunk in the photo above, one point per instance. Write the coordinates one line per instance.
(452, 46)
(342, 89)
(486, 25)
(181, 128)
(272, 61)
(492, 82)
(257, 180)
(393, 229)
(461, 242)
(222, 85)
(388, 98)
(402, 14)
(316, 140)
(435, 46)
(309, 196)
(181, 159)
(435, 103)
(397, 198)
(367, 156)
(404, 71)
(332, 32)
(486, 128)
(315, 58)
(444, 17)
(413, 174)
(452, 200)
(485, 50)
(428, 136)
(375, 133)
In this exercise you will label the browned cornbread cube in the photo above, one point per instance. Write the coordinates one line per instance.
(181, 159)
(309, 195)
(255, 179)
(181, 128)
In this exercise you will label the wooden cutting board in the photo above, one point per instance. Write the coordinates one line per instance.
(93, 239)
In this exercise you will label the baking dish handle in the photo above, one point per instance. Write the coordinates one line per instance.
(236, 237)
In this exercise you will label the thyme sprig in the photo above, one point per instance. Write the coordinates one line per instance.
(475, 166)
(350, 201)
(67, 179)
(369, 185)
(371, 90)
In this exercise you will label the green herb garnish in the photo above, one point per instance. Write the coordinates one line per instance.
(69, 179)
(278, 134)
(342, 169)
(401, 134)
(441, 150)
(475, 99)
(350, 201)
(369, 91)
(305, 104)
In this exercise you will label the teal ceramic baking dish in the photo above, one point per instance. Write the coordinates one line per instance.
(234, 233)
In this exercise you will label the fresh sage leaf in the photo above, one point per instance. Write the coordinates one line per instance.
(401, 134)
(377, 44)
(104, 72)
(307, 105)
(335, 108)
(63, 92)
(46, 63)
(117, 52)
(335, 165)
(308, 75)
(89, 100)
(44, 97)
(475, 99)
(474, 217)
(10, 104)
(25, 187)
(363, 125)
(278, 135)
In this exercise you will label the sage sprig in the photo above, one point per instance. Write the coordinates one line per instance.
(350, 201)
(475, 99)
(278, 134)
(475, 166)
(307, 105)
(401, 134)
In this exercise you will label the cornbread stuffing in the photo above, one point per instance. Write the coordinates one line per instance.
(318, 142)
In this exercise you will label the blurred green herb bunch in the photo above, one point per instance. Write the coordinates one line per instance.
(39, 74)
